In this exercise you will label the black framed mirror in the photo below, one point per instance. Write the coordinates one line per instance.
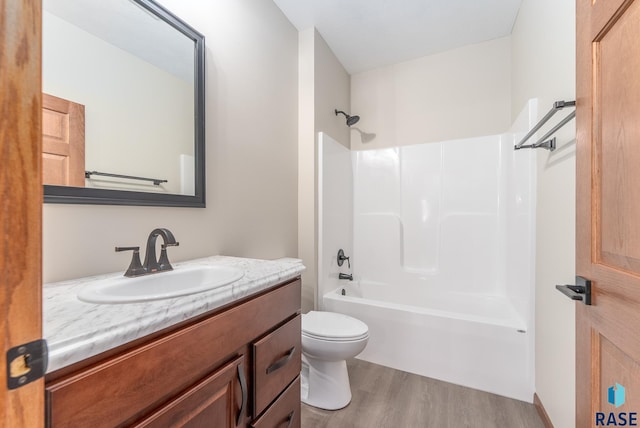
(123, 105)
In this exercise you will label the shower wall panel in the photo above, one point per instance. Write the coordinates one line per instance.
(435, 213)
(335, 211)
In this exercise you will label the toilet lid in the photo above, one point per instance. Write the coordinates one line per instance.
(333, 326)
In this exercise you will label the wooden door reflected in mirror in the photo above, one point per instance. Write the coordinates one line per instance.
(62, 142)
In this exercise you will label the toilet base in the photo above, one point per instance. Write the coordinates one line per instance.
(325, 384)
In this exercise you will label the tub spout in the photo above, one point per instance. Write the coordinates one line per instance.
(345, 276)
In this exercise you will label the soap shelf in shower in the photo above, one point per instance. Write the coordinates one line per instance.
(545, 142)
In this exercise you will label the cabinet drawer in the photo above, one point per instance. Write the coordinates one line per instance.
(276, 363)
(285, 412)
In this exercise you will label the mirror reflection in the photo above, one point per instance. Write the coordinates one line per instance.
(118, 103)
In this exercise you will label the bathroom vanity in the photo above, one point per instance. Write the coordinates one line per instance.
(232, 361)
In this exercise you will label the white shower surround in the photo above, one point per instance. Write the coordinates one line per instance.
(440, 237)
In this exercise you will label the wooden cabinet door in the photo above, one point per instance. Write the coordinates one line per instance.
(608, 210)
(20, 202)
(210, 403)
(62, 142)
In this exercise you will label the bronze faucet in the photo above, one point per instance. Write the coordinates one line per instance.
(151, 263)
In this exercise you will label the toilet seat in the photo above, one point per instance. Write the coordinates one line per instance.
(333, 327)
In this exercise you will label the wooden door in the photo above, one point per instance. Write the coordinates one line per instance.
(608, 210)
(62, 142)
(20, 202)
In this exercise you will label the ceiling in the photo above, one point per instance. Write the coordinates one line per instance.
(132, 28)
(367, 34)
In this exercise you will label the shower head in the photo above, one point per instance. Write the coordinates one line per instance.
(351, 120)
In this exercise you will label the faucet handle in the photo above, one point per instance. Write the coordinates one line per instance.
(342, 258)
(135, 267)
(163, 263)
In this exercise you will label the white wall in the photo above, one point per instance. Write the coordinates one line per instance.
(460, 93)
(324, 86)
(307, 249)
(332, 91)
(251, 155)
(125, 100)
(543, 66)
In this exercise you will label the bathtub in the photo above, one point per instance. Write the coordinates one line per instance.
(477, 341)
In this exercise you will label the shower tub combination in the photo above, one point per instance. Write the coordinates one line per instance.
(479, 342)
(440, 237)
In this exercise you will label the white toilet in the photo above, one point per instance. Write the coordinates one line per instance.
(328, 339)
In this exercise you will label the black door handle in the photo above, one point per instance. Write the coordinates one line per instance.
(581, 291)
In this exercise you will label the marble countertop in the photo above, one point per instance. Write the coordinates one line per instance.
(76, 330)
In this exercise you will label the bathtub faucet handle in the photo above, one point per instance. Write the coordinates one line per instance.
(342, 258)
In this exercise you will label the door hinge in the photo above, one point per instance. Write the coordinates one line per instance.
(26, 363)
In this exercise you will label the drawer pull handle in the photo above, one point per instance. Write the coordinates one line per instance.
(282, 361)
(290, 418)
(243, 388)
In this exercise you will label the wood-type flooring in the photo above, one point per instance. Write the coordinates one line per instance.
(388, 398)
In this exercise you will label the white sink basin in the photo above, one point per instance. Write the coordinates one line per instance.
(181, 281)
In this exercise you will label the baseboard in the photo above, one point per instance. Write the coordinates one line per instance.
(542, 412)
